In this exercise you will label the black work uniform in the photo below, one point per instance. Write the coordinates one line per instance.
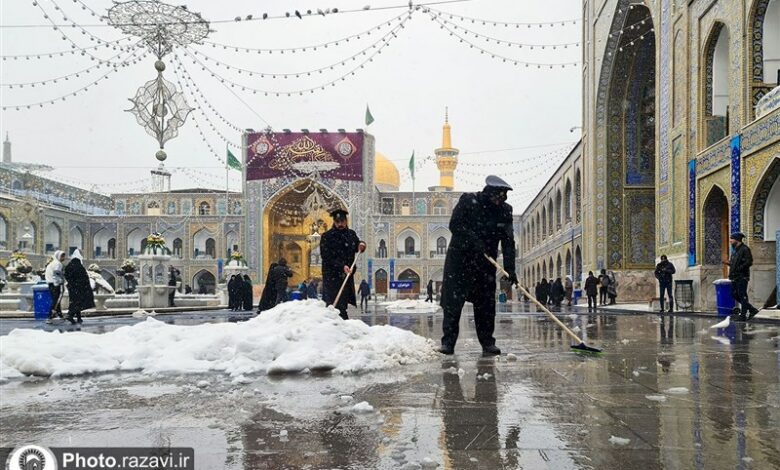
(478, 226)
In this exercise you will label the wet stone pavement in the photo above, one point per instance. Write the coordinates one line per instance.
(668, 393)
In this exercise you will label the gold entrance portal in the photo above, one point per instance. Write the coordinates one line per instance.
(293, 221)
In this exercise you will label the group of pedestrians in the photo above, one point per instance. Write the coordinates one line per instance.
(74, 277)
(555, 292)
(601, 290)
(240, 293)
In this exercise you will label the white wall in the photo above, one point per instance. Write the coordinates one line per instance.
(772, 211)
(772, 42)
(720, 74)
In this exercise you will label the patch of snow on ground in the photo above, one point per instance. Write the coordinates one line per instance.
(676, 391)
(362, 407)
(413, 305)
(618, 441)
(289, 338)
(656, 397)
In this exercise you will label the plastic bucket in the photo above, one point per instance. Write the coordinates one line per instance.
(724, 301)
(41, 300)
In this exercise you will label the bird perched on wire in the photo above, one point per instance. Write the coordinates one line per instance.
(367, 7)
(320, 12)
(298, 14)
(265, 16)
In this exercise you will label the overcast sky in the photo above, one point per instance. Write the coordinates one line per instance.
(493, 105)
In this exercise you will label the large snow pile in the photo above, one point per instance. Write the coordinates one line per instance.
(411, 305)
(293, 337)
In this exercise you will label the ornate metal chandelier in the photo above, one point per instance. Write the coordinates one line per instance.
(158, 106)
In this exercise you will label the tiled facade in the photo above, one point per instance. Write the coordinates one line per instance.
(706, 138)
(200, 226)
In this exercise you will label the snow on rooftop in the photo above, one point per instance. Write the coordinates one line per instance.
(293, 337)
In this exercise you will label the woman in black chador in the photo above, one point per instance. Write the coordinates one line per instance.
(79, 288)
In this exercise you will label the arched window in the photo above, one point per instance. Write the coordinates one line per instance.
(177, 247)
(231, 243)
(441, 246)
(76, 240)
(558, 203)
(558, 267)
(716, 226)
(406, 207)
(567, 201)
(3, 233)
(100, 243)
(422, 207)
(544, 223)
(26, 234)
(409, 246)
(204, 208)
(577, 196)
(380, 280)
(211, 248)
(134, 242)
(52, 238)
(551, 215)
(568, 267)
(111, 248)
(439, 208)
(716, 83)
(381, 252)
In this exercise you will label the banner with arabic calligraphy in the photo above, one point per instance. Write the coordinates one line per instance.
(325, 155)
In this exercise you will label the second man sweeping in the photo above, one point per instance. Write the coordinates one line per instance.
(338, 247)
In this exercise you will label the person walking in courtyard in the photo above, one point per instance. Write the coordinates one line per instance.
(247, 299)
(429, 291)
(55, 280)
(664, 272)
(479, 223)
(739, 273)
(612, 287)
(278, 277)
(268, 297)
(365, 292)
(172, 283)
(79, 289)
(604, 287)
(557, 292)
(231, 289)
(311, 290)
(542, 291)
(591, 289)
(568, 287)
(338, 247)
(303, 289)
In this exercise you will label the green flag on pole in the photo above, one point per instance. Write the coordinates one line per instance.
(369, 117)
(411, 165)
(232, 161)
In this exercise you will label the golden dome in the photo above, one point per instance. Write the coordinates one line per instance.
(386, 176)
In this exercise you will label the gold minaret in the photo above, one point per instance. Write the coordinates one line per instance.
(446, 157)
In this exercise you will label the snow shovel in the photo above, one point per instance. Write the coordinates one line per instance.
(343, 284)
(580, 346)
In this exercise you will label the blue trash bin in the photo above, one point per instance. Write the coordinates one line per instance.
(577, 295)
(724, 301)
(296, 295)
(41, 300)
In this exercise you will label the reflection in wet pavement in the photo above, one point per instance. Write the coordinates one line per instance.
(667, 393)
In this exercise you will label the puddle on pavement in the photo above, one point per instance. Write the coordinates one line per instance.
(665, 394)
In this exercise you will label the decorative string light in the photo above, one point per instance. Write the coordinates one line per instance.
(48, 55)
(65, 37)
(306, 73)
(199, 107)
(85, 71)
(190, 84)
(505, 59)
(385, 42)
(504, 42)
(485, 22)
(564, 150)
(307, 48)
(85, 88)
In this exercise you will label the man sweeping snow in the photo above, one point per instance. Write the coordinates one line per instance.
(479, 222)
(338, 247)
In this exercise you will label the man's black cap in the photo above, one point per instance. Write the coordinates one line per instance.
(494, 181)
(738, 236)
(339, 214)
